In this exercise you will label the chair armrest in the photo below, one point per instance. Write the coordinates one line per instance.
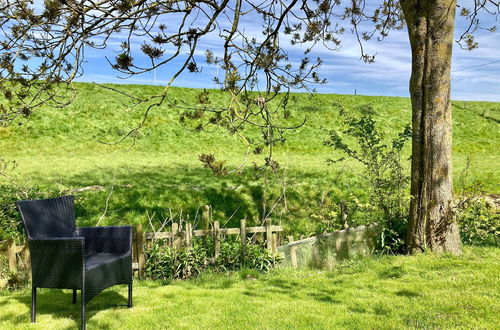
(57, 262)
(111, 239)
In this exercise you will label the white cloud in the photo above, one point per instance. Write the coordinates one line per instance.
(389, 75)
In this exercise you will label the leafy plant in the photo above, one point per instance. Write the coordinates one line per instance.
(166, 263)
(258, 258)
(476, 213)
(11, 225)
(479, 222)
(383, 169)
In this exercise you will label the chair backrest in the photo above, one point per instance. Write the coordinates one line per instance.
(53, 217)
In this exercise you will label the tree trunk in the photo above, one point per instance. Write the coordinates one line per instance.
(430, 28)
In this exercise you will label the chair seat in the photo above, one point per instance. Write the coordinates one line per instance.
(99, 259)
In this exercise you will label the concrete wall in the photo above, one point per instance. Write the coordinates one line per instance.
(323, 251)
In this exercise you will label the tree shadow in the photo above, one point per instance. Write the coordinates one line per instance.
(295, 289)
(155, 190)
(324, 297)
(392, 272)
(407, 294)
(58, 303)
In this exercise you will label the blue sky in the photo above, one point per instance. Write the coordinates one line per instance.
(475, 74)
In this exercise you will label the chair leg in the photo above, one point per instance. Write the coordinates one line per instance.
(129, 295)
(33, 304)
(74, 296)
(84, 316)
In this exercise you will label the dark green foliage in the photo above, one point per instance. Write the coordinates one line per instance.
(10, 221)
(11, 225)
(254, 257)
(260, 259)
(164, 262)
(383, 168)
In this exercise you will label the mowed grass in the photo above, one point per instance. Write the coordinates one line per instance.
(423, 291)
(59, 150)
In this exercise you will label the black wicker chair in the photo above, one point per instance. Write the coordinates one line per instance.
(66, 257)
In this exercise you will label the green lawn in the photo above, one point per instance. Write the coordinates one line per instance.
(424, 291)
(58, 150)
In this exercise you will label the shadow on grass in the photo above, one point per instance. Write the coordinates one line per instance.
(393, 272)
(295, 289)
(153, 190)
(407, 294)
(58, 303)
(325, 297)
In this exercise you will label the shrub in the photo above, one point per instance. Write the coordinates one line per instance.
(260, 259)
(383, 169)
(166, 263)
(476, 213)
(11, 224)
(254, 257)
(479, 223)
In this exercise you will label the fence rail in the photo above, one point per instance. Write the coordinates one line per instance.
(182, 235)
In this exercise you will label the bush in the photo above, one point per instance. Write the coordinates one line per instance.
(479, 223)
(165, 263)
(384, 170)
(254, 256)
(260, 259)
(11, 224)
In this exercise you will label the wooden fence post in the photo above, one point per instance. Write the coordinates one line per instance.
(293, 252)
(188, 235)
(280, 238)
(216, 239)
(11, 256)
(243, 234)
(175, 235)
(27, 259)
(274, 244)
(141, 260)
(205, 216)
(343, 214)
(268, 235)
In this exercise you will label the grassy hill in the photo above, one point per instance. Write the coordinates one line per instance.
(58, 150)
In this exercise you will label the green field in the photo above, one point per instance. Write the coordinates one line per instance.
(392, 292)
(58, 150)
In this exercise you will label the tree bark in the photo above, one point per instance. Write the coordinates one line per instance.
(431, 224)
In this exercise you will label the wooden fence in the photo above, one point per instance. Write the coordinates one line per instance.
(18, 258)
(326, 250)
(182, 235)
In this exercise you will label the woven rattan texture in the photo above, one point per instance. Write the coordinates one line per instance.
(54, 217)
(66, 257)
